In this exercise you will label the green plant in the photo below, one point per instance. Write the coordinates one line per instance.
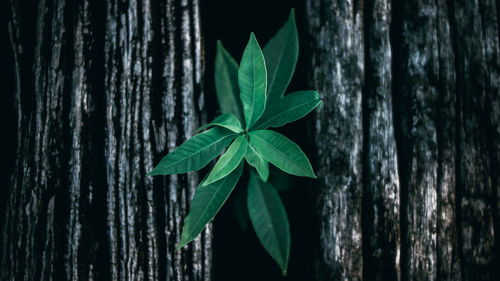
(251, 100)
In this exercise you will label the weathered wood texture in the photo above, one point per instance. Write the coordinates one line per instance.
(381, 192)
(411, 104)
(407, 142)
(424, 93)
(338, 67)
(102, 91)
(477, 64)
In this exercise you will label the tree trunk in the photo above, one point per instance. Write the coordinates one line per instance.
(407, 142)
(423, 93)
(102, 91)
(337, 30)
(422, 75)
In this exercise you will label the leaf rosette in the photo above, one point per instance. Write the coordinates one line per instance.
(251, 99)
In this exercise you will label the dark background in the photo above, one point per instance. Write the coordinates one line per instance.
(237, 252)
(7, 112)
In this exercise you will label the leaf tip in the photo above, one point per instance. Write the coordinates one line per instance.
(184, 241)
(292, 14)
(264, 177)
(154, 172)
(180, 245)
(319, 106)
(220, 50)
(253, 38)
(157, 171)
(205, 182)
(311, 174)
(284, 272)
(292, 24)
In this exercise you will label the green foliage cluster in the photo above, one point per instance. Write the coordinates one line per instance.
(251, 98)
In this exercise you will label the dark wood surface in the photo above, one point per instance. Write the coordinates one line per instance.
(103, 91)
(406, 145)
(411, 92)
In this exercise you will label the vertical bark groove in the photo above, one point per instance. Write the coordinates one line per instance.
(380, 175)
(444, 88)
(337, 70)
(90, 126)
(476, 66)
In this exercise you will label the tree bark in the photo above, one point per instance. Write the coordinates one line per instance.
(425, 126)
(337, 73)
(477, 60)
(102, 92)
(407, 141)
(381, 186)
(422, 75)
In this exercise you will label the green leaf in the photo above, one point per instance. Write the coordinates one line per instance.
(229, 160)
(226, 83)
(252, 81)
(281, 152)
(256, 160)
(207, 201)
(269, 220)
(288, 109)
(281, 54)
(227, 120)
(195, 153)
